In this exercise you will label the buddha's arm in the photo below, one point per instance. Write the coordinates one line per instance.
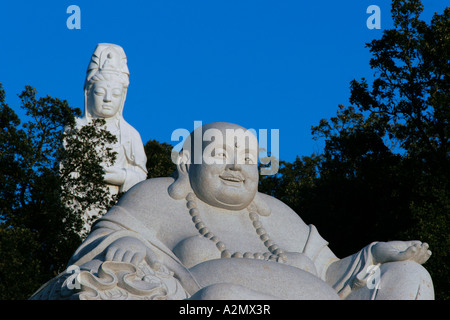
(363, 267)
(348, 273)
(132, 216)
(336, 270)
(104, 228)
(137, 215)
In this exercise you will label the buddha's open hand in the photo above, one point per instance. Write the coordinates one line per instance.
(400, 251)
(131, 250)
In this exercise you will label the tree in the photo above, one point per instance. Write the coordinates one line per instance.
(411, 96)
(39, 231)
(159, 161)
(384, 172)
(293, 183)
(87, 150)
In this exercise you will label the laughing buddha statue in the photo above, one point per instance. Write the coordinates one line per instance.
(208, 233)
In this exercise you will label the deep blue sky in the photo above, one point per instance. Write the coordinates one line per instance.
(262, 64)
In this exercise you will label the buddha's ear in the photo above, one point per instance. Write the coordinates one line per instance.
(180, 188)
(183, 162)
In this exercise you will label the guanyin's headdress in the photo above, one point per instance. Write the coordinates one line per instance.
(110, 59)
(108, 62)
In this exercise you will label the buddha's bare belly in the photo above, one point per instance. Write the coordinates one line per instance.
(267, 277)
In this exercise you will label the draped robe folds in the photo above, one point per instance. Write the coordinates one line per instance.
(135, 158)
(119, 222)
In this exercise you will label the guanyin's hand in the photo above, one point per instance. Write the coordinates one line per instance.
(115, 176)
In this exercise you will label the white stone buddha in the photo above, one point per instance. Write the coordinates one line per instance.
(209, 234)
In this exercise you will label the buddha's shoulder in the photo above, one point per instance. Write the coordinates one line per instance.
(274, 204)
(150, 190)
(155, 184)
(280, 210)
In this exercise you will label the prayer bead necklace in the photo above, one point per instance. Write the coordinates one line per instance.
(274, 252)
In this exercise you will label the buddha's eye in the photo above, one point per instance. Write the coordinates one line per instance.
(117, 94)
(99, 91)
(220, 155)
(249, 159)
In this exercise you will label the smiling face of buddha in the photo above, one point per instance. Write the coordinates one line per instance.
(227, 176)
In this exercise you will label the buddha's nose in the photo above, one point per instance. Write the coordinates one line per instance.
(235, 165)
(107, 97)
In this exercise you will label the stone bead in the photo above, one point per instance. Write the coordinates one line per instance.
(268, 243)
(248, 255)
(278, 251)
(214, 239)
(208, 235)
(260, 231)
(194, 212)
(220, 245)
(258, 255)
(253, 216)
(190, 196)
(237, 255)
(191, 204)
(264, 237)
(257, 224)
(200, 225)
(272, 248)
(226, 254)
(203, 231)
(266, 255)
(196, 219)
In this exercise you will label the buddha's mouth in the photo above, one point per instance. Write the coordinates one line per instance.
(230, 179)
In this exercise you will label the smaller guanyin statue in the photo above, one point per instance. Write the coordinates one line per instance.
(105, 91)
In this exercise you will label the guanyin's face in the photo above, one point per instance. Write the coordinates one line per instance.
(105, 98)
